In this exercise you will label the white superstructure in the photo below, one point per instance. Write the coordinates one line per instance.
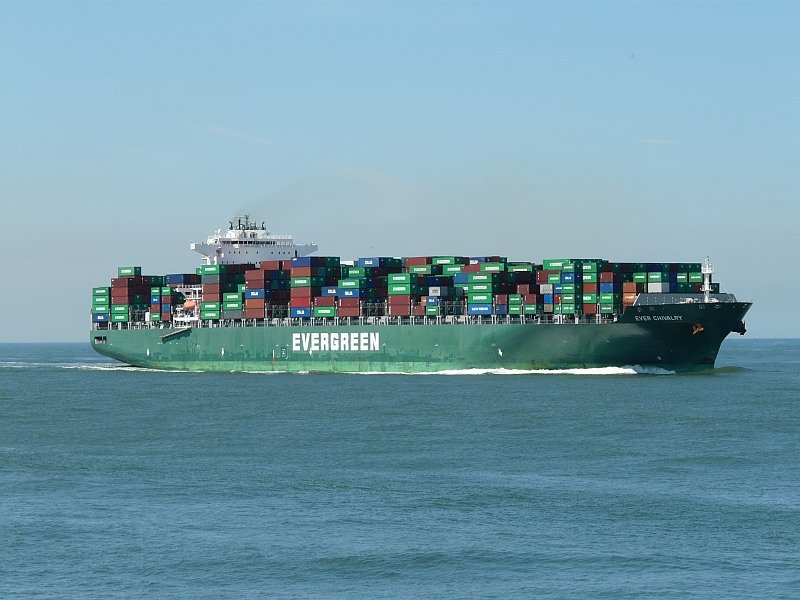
(247, 242)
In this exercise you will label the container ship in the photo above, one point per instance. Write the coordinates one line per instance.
(260, 302)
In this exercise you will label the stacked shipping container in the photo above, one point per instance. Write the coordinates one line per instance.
(318, 286)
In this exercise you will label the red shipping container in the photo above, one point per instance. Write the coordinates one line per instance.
(302, 271)
(590, 288)
(606, 277)
(166, 316)
(349, 311)
(399, 300)
(541, 276)
(476, 268)
(301, 302)
(155, 308)
(325, 301)
(590, 309)
(524, 288)
(632, 287)
(557, 298)
(303, 292)
(417, 260)
(400, 311)
(255, 303)
(253, 313)
(501, 299)
(285, 264)
(212, 288)
(349, 302)
(418, 310)
(530, 298)
(270, 265)
(212, 297)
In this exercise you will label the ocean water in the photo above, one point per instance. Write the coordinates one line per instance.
(124, 483)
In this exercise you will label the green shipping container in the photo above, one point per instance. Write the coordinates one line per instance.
(212, 269)
(567, 288)
(101, 299)
(101, 291)
(515, 309)
(590, 278)
(432, 311)
(555, 264)
(101, 308)
(610, 298)
(640, 277)
(400, 289)
(529, 309)
(590, 298)
(568, 309)
(324, 311)
(232, 297)
(607, 309)
(120, 309)
(238, 305)
(305, 282)
(129, 271)
(695, 277)
(480, 277)
(400, 278)
(492, 267)
(120, 318)
(589, 267)
(451, 269)
(475, 288)
(420, 269)
(520, 267)
(514, 299)
(554, 278)
(210, 306)
(682, 277)
(444, 260)
(210, 315)
(567, 298)
(479, 298)
(354, 272)
(351, 283)
(657, 277)
(154, 317)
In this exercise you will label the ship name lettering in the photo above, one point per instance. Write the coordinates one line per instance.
(323, 342)
(659, 317)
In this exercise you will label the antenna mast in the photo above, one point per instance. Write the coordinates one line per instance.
(707, 271)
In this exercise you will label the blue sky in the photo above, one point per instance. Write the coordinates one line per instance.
(629, 131)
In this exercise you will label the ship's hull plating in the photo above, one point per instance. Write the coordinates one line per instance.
(676, 337)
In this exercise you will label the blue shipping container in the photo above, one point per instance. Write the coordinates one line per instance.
(348, 292)
(557, 288)
(301, 261)
(479, 309)
(166, 309)
(461, 278)
(501, 309)
(431, 300)
(328, 291)
(175, 278)
(257, 294)
(548, 298)
(299, 312)
(155, 298)
(371, 261)
(100, 318)
(568, 278)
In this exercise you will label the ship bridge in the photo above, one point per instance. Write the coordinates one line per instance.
(246, 241)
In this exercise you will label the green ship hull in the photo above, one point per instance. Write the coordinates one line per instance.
(676, 337)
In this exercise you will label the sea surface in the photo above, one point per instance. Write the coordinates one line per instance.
(124, 483)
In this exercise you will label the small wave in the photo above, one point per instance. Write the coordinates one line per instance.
(627, 370)
(77, 366)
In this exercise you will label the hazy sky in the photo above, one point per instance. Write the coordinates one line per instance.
(629, 131)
